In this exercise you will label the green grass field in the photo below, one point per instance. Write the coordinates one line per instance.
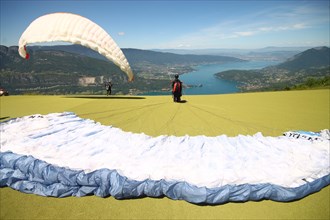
(271, 113)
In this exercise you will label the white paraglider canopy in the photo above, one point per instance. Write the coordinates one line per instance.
(75, 29)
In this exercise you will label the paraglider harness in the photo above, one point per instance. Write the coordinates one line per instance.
(176, 90)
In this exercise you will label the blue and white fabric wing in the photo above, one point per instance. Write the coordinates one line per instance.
(62, 155)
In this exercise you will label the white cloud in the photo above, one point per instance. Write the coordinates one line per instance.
(265, 29)
(297, 26)
(121, 33)
(213, 35)
(281, 20)
(246, 33)
(183, 46)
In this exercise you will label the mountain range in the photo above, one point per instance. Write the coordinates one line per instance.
(137, 56)
(75, 69)
(268, 53)
(312, 58)
(66, 66)
(312, 63)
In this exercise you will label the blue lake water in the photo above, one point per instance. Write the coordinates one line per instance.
(204, 75)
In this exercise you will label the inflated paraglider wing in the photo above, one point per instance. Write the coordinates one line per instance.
(76, 29)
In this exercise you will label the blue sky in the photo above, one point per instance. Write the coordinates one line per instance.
(185, 24)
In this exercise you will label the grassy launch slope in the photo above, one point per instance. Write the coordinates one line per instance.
(270, 113)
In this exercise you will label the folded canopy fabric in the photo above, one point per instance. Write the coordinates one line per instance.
(62, 155)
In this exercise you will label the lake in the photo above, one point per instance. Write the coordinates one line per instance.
(204, 76)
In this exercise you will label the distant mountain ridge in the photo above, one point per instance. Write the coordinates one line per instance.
(219, 51)
(54, 66)
(268, 53)
(313, 63)
(314, 57)
(76, 58)
(137, 56)
(70, 65)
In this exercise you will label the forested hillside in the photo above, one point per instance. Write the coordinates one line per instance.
(75, 69)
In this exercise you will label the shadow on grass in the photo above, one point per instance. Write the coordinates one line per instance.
(182, 101)
(3, 118)
(105, 97)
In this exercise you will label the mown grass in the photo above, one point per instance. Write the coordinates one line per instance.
(271, 113)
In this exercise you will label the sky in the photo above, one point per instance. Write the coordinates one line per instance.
(188, 24)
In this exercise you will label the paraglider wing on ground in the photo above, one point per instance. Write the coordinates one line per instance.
(61, 154)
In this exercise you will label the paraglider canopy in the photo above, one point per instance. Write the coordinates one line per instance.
(75, 29)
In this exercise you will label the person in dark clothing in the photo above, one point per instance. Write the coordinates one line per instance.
(176, 89)
(108, 86)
